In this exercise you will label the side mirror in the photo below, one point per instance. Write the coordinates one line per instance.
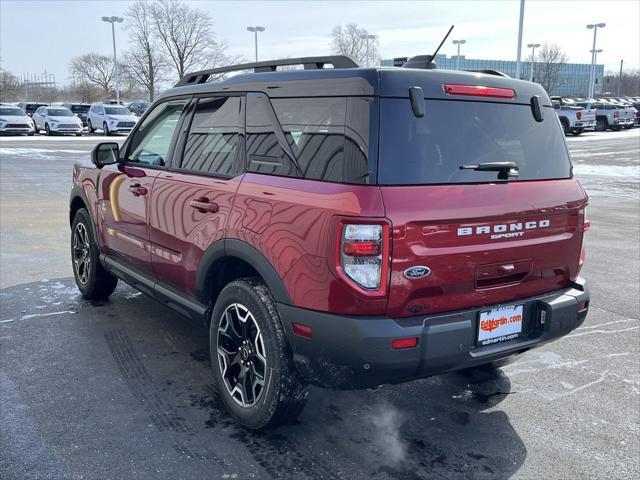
(105, 153)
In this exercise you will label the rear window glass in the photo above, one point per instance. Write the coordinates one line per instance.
(79, 108)
(431, 149)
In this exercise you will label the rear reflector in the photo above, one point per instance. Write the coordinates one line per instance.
(587, 225)
(302, 330)
(583, 306)
(479, 91)
(398, 343)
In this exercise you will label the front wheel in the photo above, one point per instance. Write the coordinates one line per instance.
(93, 281)
(47, 129)
(90, 128)
(105, 129)
(251, 359)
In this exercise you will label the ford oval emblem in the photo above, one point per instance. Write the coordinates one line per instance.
(418, 271)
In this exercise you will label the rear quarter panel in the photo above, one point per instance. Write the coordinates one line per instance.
(292, 223)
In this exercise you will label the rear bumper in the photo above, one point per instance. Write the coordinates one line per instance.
(355, 352)
(585, 124)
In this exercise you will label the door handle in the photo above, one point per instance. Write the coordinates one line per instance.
(204, 205)
(137, 189)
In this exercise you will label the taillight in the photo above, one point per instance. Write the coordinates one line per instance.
(479, 91)
(362, 254)
(616, 114)
(579, 115)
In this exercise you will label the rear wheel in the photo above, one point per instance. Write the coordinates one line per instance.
(577, 131)
(601, 125)
(565, 126)
(615, 128)
(251, 359)
(93, 281)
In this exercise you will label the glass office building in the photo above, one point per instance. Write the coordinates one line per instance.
(573, 77)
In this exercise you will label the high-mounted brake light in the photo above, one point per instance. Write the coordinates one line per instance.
(479, 91)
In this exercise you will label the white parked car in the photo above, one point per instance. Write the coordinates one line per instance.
(14, 120)
(57, 120)
(110, 119)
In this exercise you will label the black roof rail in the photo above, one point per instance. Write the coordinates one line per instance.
(490, 72)
(309, 63)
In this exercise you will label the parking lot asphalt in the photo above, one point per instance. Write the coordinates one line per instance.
(122, 389)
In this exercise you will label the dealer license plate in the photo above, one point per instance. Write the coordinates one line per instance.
(500, 324)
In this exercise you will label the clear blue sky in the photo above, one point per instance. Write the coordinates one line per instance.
(39, 35)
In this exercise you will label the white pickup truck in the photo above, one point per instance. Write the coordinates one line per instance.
(574, 119)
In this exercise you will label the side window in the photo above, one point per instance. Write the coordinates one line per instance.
(212, 143)
(328, 136)
(151, 141)
(264, 152)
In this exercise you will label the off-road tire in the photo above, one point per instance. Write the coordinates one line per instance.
(284, 394)
(95, 283)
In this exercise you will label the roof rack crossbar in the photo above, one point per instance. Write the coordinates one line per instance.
(308, 63)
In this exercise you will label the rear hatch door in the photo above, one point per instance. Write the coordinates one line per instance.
(483, 239)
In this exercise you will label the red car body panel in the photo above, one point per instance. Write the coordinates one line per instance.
(466, 270)
(292, 222)
(179, 233)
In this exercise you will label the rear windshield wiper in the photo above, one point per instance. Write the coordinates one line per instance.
(505, 169)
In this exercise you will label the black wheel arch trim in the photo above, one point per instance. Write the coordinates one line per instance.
(244, 251)
(78, 192)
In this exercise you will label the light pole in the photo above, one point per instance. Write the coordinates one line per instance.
(366, 37)
(595, 59)
(592, 76)
(458, 43)
(520, 27)
(533, 47)
(255, 31)
(112, 21)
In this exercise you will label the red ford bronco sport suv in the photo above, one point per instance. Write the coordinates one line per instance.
(344, 227)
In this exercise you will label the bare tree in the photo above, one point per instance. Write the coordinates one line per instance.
(186, 37)
(95, 69)
(352, 41)
(629, 84)
(144, 62)
(10, 87)
(548, 64)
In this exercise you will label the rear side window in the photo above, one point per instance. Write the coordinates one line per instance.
(431, 149)
(265, 152)
(317, 133)
(212, 144)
